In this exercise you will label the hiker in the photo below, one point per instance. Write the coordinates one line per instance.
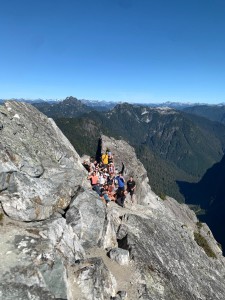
(110, 179)
(111, 168)
(105, 195)
(97, 171)
(131, 186)
(105, 173)
(105, 160)
(112, 192)
(102, 179)
(110, 157)
(86, 165)
(97, 189)
(120, 182)
(93, 178)
(120, 197)
(92, 166)
(95, 182)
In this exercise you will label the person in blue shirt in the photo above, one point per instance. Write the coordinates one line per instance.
(121, 182)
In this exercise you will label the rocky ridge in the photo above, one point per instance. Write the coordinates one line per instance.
(59, 241)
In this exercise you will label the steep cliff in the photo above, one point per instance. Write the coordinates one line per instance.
(59, 241)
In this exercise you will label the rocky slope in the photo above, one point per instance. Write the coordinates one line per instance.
(73, 247)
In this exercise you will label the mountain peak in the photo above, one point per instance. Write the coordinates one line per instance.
(71, 100)
(70, 107)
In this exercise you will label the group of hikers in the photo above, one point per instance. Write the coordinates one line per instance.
(109, 184)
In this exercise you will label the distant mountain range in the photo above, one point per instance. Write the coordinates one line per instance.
(58, 104)
(201, 109)
(99, 105)
(29, 100)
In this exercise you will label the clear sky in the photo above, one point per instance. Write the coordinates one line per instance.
(119, 50)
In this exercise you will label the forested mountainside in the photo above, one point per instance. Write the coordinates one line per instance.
(173, 146)
(211, 112)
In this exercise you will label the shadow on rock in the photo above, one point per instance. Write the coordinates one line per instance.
(209, 193)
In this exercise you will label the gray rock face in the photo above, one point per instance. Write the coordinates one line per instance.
(113, 222)
(86, 216)
(31, 267)
(94, 279)
(39, 169)
(12, 291)
(172, 265)
(121, 256)
(62, 237)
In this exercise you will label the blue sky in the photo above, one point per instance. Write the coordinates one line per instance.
(119, 50)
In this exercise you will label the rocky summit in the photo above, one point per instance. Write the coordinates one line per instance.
(60, 241)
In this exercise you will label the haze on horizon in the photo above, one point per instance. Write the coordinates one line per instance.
(113, 50)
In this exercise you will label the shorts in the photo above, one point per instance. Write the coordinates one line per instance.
(131, 192)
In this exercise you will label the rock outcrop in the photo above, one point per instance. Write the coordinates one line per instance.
(124, 154)
(73, 247)
(39, 170)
